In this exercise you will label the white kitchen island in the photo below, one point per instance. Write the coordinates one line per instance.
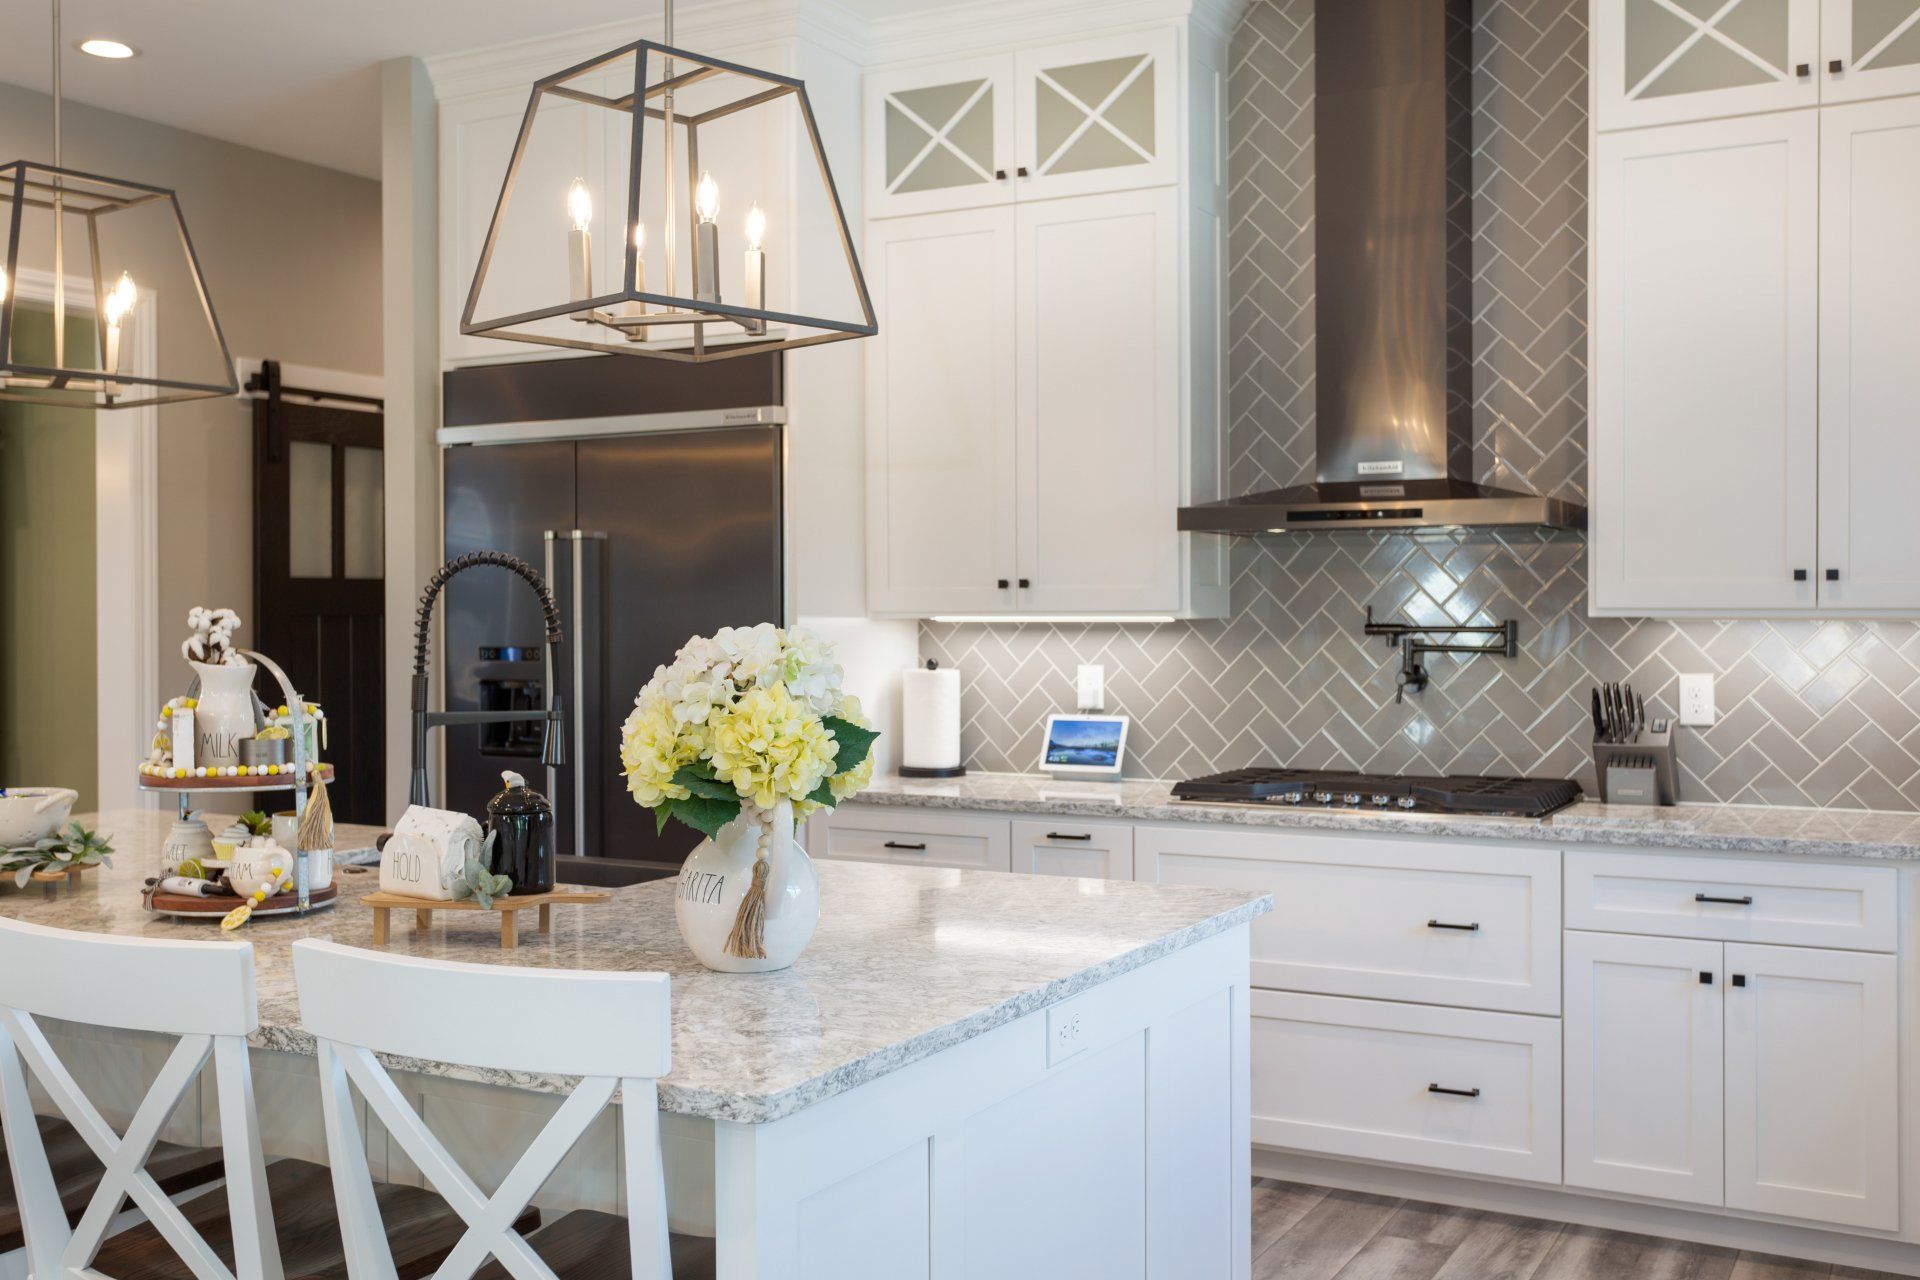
(967, 1074)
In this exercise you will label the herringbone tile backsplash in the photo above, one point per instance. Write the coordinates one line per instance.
(1824, 713)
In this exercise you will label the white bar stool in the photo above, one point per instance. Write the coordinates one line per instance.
(610, 1029)
(202, 992)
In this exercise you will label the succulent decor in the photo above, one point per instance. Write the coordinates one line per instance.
(69, 850)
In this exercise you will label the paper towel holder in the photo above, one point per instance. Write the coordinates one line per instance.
(916, 771)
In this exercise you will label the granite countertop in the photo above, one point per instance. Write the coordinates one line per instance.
(1723, 828)
(907, 961)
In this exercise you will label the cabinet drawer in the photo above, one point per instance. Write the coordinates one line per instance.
(1381, 1081)
(1386, 919)
(1064, 847)
(972, 842)
(1793, 903)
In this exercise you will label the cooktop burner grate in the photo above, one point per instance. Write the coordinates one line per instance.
(1334, 789)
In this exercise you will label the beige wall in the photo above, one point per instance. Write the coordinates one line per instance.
(291, 254)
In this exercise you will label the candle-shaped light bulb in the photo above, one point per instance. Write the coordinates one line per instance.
(632, 308)
(580, 204)
(755, 268)
(118, 302)
(580, 245)
(639, 237)
(706, 197)
(706, 240)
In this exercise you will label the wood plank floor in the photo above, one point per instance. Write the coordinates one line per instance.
(1311, 1233)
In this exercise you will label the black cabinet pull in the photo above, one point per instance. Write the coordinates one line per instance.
(1739, 979)
(1004, 584)
(1067, 835)
(1833, 575)
(1799, 575)
(1025, 583)
(1022, 170)
(1706, 979)
(1464, 928)
(1743, 901)
(1457, 1093)
(1803, 70)
(1000, 175)
(1836, 66)
(896, 844)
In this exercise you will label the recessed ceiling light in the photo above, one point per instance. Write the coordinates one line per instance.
(106, 48)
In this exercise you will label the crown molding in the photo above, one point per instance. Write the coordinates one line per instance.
(715, 26)
(977, 25)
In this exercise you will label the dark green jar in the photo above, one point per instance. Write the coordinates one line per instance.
(521, 822)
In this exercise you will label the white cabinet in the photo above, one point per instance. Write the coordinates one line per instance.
(1657, 62)
(1869, 49)
(1706, 353)
(970, 842)
(1869, 376)
(1786, 1055)
(1066, 847)
(1045, 391)
(1064, 119)
(1445, 1088)
(1643, 1042)
(941, 402)
(1812, 1084)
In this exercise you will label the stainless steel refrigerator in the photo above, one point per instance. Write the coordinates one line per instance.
(650, 529)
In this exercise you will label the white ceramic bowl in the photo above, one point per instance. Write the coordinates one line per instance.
(28, 813)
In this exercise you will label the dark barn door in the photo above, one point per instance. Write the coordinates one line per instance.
(319, 575)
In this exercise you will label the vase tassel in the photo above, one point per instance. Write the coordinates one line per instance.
(748, 937)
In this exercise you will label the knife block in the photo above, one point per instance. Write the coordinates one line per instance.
(1643, 772)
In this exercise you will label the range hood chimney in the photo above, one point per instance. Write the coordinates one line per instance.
(1394, 364)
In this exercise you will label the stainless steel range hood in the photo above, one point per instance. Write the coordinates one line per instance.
(1393, 282)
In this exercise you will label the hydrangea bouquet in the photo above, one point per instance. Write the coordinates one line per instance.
(747, 716)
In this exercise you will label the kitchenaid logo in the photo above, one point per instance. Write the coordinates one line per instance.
(1392, 468)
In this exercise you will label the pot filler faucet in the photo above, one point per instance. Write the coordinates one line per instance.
(1413, 672)
(551, 753)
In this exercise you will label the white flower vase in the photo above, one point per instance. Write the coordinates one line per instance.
(719, 873)
(224, 714)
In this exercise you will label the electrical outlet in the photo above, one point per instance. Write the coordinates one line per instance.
(1066, 1035)
(1092, 687)
(1696, 700)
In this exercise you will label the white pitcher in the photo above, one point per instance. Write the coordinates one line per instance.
(718, 873)
(225, 712)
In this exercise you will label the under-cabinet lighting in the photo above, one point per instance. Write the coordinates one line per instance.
(107, 48)
(1116, 618)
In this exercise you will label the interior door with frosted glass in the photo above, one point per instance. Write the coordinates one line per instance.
(319, 502)
(1663, 61)
(1098, 115)
(940, 138)
(1869, 49)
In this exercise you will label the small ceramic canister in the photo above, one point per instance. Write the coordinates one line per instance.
(257, 864)
(286, 834)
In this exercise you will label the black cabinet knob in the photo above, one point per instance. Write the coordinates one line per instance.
(1802, 70)
(1000, 175)
(1003, 584)
(1706, 979)
(1739, 979)
(1021, 171)
(1799, 575)
(1833, 575)
(1024, 584)
(1836, 67)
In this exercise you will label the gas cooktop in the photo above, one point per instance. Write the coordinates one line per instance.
(1332, 789)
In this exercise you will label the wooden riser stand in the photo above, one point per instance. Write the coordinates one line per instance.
(508, 909)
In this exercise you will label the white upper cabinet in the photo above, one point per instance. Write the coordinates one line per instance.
(1097, 115)
(1064, 119)
(1661, 61)
(1869, 49)
(940, 138)
(1706, 353)
(1869, 375)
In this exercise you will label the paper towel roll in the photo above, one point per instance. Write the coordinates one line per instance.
(930, 718)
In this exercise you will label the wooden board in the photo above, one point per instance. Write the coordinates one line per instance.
(253, 782)
(507, 908)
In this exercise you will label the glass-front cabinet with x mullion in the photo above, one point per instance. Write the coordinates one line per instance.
(1666, 61)
(1076, 118)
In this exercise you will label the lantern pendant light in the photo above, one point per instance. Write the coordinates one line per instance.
(78, 241)
(706, 296)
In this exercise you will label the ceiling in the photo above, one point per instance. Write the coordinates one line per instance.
(299, 80)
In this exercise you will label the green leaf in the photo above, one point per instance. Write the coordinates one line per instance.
(704, 784)
(22, 876)
(662, 813)
(705, 814)
(854, 741)
(823, 794)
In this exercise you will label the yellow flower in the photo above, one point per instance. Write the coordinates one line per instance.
(653, 748)
(769, 747)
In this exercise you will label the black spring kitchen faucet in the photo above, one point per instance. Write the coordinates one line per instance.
(1413, 673)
